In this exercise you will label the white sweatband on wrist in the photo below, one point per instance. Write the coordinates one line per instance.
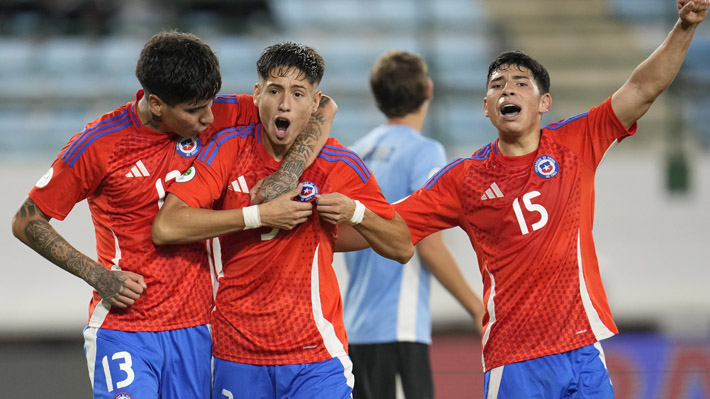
(359, 213)
(252, 218)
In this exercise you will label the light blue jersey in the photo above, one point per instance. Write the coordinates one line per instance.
(387, 301)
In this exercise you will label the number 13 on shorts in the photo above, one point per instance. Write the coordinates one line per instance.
(125, 363)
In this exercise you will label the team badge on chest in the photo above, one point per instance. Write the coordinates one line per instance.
(546, 167)
(188, 147)
(308, 192)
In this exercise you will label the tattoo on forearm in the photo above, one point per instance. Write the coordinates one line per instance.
(28, 209)
(48, 243)
(44, 239)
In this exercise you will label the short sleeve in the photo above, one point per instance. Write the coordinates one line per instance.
(231, 110)
(74, 175)
(436, 205)
(350, 176)
(204, 183)
(591, 134)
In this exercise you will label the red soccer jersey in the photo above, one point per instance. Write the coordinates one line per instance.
(123, 169)
(529, 219)
(278, 301)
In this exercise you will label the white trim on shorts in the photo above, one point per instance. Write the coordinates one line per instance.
(494, 379)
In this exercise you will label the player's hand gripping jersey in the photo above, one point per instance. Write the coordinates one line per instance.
(278, 300)
(529, 220)
(123, 169)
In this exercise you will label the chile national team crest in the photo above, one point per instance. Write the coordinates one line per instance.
(308, 192)
(546, 167)
(188, 147)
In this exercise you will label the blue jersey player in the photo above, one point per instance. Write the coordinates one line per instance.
(386, 308)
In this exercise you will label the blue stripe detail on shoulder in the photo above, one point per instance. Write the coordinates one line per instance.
(557, 125)
(432, 180)
(333, 154)
(88, 136)
(210, 150)
(226, 98)
(483, 152)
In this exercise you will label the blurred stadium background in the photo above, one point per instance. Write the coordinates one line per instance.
(64, 63)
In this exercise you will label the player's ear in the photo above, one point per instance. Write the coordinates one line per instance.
(155, 104)
(429, 89)
(485, 107)
(316, 101)
(257, 92)
(545, 103)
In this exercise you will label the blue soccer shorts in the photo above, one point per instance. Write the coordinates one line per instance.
(329, 379)
(173, 364)
(577, 374)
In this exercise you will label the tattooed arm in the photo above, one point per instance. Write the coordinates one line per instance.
(302, 153)
(31, 226)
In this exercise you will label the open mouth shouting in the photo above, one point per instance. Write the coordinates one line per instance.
(282, 125)
(509, 111)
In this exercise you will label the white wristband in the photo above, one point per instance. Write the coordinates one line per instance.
(252, 218)
(359, 213)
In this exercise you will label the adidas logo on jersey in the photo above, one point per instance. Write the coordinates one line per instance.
(240, 185)
(492, 192)
(138, 170)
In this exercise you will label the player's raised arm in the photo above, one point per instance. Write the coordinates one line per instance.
(388, 237)
(31, 226)
(655, 74)
(302, 153)
(178, 223)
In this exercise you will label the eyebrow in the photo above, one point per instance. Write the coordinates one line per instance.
(281, 87)
(515, 77)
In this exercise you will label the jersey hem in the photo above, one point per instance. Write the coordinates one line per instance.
(525, 358)
(277, 361)
(171, 327)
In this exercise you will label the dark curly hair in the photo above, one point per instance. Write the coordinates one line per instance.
(521, 60)
(178, 68)
(278, 59)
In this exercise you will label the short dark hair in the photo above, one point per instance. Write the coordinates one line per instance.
(178, 67)
(399, 81)
(279, 58)
(520, 59)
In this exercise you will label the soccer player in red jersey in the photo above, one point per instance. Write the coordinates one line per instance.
(526, 201)
(278, 328)
(148, 333)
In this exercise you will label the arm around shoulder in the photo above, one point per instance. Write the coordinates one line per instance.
(302, 153)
